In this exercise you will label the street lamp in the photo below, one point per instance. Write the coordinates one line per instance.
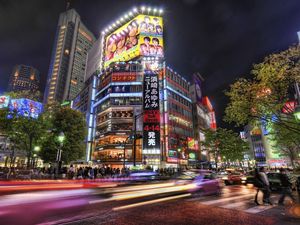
(60, 138)
(35, 149)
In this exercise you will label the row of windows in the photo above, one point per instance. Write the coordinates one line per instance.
(176, 78)
(179, 99)
(119, 101)
(177, 109)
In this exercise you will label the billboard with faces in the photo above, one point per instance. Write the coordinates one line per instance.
(143, 35)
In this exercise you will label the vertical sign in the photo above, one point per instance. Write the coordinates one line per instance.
(151, 125)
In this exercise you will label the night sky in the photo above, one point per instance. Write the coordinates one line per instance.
(220, 39)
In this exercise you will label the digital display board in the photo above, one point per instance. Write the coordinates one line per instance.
(26, 107)
(4, 100)
(151, 125)
(140, 36)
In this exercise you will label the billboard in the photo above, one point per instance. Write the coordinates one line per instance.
(26, 107)
(4, 100)
(151, 125)
(140, 36)
(198, 89)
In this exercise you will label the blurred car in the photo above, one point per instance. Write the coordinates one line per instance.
(205, 183)
(248, 178)
(222, 174)
(143, 175)
(233, 178)
(24, 174)
(275, 183)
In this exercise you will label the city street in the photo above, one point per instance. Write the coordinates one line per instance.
(149, 203)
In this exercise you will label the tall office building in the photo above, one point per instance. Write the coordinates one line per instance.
(24, 78)
(68, 60)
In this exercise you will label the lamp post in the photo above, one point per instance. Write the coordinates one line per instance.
(60, 138)
(124, 157)
(35, 149)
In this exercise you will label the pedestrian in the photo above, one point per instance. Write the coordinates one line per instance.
(266, 186)
(286, 187)
(258, 184)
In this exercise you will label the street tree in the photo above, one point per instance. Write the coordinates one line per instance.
(263, 96)
(25, 132)
(72, 123)
(225, 143)
(286, 142)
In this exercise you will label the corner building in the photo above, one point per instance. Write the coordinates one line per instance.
(143, 109)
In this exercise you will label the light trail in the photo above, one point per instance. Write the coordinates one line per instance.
(150, 202)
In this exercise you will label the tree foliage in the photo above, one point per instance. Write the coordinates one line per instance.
(286, 141)
(225, 143)
(72, 124)
(32, 95)
(24, 132)
(265, 94)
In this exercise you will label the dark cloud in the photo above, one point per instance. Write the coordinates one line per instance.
(220, 39)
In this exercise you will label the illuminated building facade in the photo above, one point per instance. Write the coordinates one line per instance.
(179, 137)
(24, 78)
(68, 60)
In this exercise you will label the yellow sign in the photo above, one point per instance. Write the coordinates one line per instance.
(143, 35)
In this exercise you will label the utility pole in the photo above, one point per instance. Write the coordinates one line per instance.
(135, 137)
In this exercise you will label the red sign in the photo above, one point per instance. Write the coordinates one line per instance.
(123, 77)
(213, 123)
(207, 103)
(289, 107)
(151, 116)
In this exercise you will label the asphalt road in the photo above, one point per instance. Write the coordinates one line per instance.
(151, 203)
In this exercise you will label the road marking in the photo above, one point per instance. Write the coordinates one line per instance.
(258, 209)
(225, 199)
(235, 205)
(150, 202)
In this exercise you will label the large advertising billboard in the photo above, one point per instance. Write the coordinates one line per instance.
(26, 107)
(140, 36)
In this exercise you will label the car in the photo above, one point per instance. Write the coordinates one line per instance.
(275, 183)
(248, 178)
(203, 183)
(143, 175)
(233, 178)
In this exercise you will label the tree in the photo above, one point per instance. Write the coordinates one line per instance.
(24, 132)
(264, 95)
(32, 95)
(72, 123)
(226, 143)
(286, 141)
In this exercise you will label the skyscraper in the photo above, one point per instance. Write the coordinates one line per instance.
(68, 60)
(24, 78)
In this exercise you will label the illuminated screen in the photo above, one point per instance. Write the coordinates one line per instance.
(4, 100)
(140, 36)
(26, 107)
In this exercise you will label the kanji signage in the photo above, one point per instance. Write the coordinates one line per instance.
(151, 127)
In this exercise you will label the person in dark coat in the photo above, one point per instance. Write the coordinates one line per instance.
(286, 187)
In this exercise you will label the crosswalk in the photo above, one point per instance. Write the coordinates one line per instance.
(237, 198)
